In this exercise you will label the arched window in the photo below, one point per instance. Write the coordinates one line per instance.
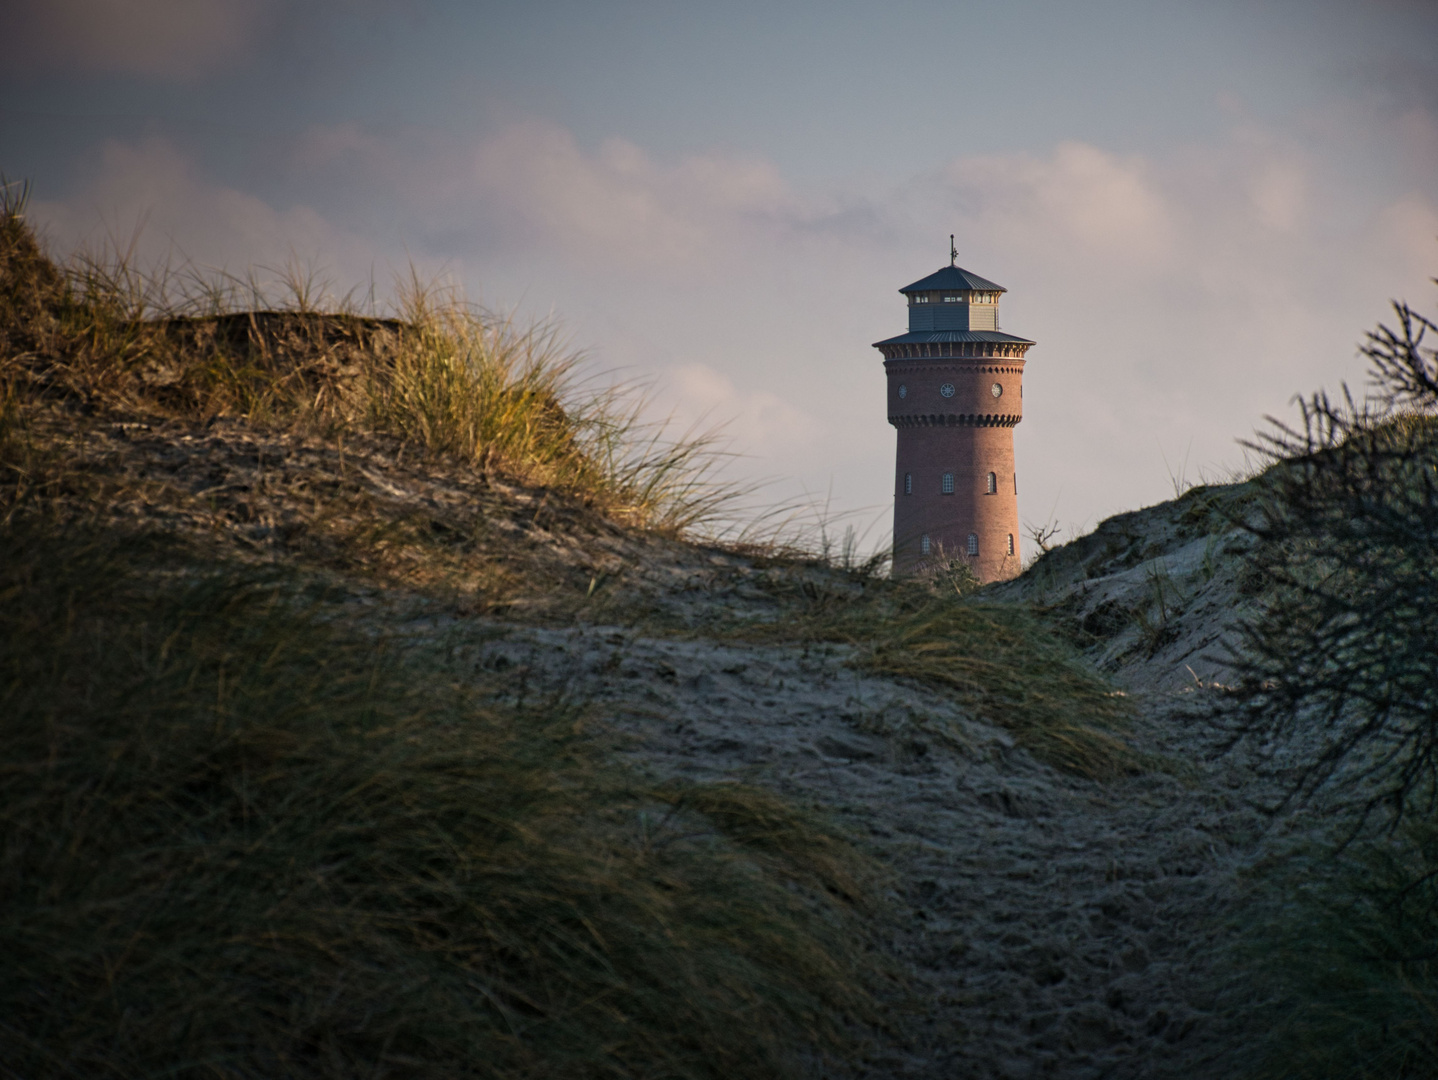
(924, 544)
(948, 484)
(993, 483)
(1011, 543)
(908, 483)
(973, 543)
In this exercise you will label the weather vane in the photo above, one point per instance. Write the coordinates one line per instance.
(953, 251)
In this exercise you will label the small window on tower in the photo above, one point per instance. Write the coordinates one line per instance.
(993, 483)
(953, 299)
(920, 298)
(948, 483)
(908, 483)
(923, 545)
(1011, 543)
(973, 543)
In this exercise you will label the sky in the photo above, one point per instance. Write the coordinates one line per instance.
(1198, 208)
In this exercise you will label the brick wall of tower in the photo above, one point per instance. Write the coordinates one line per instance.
(969, 435)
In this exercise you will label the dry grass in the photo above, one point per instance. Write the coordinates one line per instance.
(1001, 661)
(484, 391)
(443, 377)
(1011, 670)
(1338, 955)
(361, 508)
(243, 836)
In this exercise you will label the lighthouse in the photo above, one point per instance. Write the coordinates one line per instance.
(955, 394)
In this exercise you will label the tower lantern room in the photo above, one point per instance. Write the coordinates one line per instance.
(953, 299)
(955, 394)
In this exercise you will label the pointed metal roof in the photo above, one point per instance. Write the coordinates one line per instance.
(953, 277)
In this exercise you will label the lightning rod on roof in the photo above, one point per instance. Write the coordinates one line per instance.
(953, 251)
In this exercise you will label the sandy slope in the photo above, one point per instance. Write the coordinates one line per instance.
(1054, 926)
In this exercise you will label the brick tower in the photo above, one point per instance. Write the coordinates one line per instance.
(955, 394)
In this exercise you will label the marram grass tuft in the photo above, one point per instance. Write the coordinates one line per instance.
(441, 376)
(1000, 660)
(1335, 965)
(243, 836)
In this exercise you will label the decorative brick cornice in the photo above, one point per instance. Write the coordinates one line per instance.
(944, 367)
(955, 420)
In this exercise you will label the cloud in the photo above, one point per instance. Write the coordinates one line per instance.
(169, 40)
(1110, 206)
(758, 422)
(150, 198)
(615, 202)
(1400, 80)
(1230, 221)
(530, 186)
(619, 206)
(1278, 192)
(1405, 233)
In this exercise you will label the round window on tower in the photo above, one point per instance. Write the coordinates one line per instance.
(903, 391)
(996, 390)
(947, 389)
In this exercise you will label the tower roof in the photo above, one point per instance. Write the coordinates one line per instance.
(953, 277)
(921, 337)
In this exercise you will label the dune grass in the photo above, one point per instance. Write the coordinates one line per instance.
(243, 833)
(1009, 669)
(440, 375)
(1339, 956)
(1001, 661)
(245, 836)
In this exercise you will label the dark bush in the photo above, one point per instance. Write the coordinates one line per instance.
(1343, 656)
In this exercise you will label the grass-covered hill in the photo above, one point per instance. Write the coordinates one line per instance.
(373, 705)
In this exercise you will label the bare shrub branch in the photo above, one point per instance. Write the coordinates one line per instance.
(1342, 653)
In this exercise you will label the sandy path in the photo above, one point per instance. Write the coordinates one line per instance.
(1054, 925)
